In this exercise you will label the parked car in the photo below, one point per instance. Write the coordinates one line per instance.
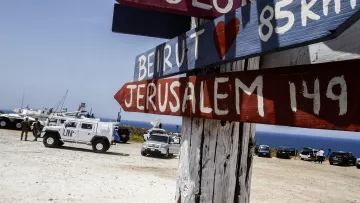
(160, 144)
(342, 158)
(153, 131)
(358, 163)
(265, 151)
(284, 152)
(308, 154)
(123, 133)
(176, 137)
(292, 151)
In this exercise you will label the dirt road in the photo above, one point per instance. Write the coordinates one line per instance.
(29, 172)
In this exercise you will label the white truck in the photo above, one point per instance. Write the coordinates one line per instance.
(160, 144)
(80, 131)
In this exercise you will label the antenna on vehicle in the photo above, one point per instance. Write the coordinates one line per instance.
(22, 102)
(119, 116)
(64, 98)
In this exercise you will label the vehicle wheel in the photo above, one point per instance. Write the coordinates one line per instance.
(100, 146)
(331, 163)
(50, 140)
(302, 159)
(357, 166)
(3, 124)
(143, 153)
(18, 126)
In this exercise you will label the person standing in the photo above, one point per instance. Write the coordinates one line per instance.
(36, 128)
(25, 126)
(321, 155)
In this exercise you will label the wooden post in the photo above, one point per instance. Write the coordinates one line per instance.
(215, 161)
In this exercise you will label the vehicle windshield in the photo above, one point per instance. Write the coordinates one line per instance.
(159, 138)
(264, 148)
(158, 132)
(342, 154)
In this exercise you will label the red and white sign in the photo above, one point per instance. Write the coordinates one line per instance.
(209, 9)
(312, 96)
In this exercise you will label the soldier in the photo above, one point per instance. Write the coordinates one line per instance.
(25, 126)
(36, 128)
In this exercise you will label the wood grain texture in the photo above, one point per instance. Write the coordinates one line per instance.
(251, 30)
(320, 96)
(187, 7)
(190, 157)
(344, 47)
(137, 21)
(220, 162)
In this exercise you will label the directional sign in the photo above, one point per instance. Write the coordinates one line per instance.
(259, 28)
(137, 21)
(197, 8)
(312, 96)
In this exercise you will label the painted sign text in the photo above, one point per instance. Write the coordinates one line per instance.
(262, 27)
(312, 96)
(197, 8)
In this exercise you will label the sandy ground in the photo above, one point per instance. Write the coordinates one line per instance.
(29, 172)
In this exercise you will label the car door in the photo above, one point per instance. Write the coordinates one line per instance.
(174, 146)
(71, 131)
(86, 132)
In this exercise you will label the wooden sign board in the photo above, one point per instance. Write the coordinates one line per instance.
(196, 8)
(313, 96)
(137, 21)
(255, 29)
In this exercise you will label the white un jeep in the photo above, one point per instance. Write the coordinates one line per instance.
(80, 131)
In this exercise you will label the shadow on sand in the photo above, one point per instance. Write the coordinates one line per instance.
(91, 151)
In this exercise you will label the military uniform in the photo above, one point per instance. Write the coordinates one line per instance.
(36, 129)
(25, 126)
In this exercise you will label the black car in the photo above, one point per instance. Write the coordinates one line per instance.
(284, 152)
(264, 150)
(342, 158)
(124, 134)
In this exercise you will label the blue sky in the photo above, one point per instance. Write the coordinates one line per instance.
(48, 47)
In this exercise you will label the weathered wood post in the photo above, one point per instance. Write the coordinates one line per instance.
(215, 163)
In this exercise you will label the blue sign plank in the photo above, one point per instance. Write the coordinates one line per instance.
(259, 28)
(138, 21)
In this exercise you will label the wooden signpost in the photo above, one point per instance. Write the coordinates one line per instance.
(312, 96)
(215, 160)
(137, 21)
(197, 8)
(255, 29)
